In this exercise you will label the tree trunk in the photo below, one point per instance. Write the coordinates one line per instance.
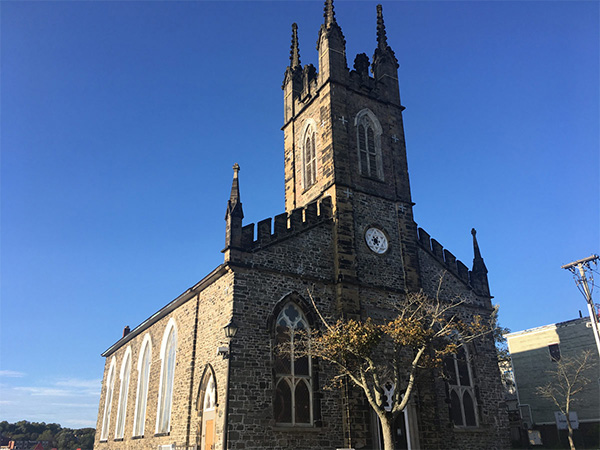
(570, 428)
(387, 431)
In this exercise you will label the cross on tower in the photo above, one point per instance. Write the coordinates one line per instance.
(395, 138)
(343, 119)
(322, 123)
(402, 208)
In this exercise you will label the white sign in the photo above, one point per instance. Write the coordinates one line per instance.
(561, 420)
(535, 438)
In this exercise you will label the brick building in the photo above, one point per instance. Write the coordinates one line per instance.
(348, 235)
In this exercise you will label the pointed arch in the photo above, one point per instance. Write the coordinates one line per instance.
(141, 401)
(368, 139)
(168, 354)
(308, 144)
(206, 406)
(124, 375)
(110, 386)
(294, 381)
(208, 372)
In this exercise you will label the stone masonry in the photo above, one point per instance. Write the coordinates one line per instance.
(318, 247)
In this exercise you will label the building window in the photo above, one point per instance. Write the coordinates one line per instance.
(309, 157)
(123, 393)
(554, 350)
(368, 138)
(168, 352)
(142, 387)
(463, 409)
(110, 387)
(293, 371)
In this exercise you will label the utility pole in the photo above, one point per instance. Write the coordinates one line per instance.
(580, 269)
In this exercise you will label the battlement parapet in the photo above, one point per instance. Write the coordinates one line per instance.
(445, 257)
(284, 225)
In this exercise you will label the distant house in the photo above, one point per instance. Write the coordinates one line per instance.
(25, 445)
(535, 352)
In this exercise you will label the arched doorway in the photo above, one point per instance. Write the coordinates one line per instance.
(401, 428)
(209, 404)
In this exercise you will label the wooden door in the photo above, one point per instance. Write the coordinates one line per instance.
(209, 434)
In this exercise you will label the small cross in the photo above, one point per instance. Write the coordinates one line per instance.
(322, 123)
(348, 193)
(395, 138)
(402, 208)
(343, 119)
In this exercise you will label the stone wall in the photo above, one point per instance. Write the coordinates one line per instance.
(436, 425)
(199, 321)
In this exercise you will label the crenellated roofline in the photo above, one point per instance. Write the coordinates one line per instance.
(471, 278)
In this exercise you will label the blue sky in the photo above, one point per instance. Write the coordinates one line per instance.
(120, 122)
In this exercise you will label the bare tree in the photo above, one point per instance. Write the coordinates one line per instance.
(374, 355)
(567, 380)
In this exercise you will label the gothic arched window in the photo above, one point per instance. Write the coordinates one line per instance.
(309, 156)
(368, 138)
(141, 401)
(110, 387)
(123, 394)
(168, 352)
(463, 410)
(293, 369)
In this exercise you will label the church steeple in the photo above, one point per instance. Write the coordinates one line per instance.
(479, 272)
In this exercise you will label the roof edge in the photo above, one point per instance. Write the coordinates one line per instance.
(218, 272)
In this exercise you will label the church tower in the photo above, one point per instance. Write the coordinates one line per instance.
(210, 374)
(344, 139)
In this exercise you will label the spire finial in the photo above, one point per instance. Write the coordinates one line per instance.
(479, 272)
(295, 50)
(381, 36)
(234, 205)
(476, 252)
(235, 186)
(329, 13)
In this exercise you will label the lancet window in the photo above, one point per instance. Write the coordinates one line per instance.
(310, 157)
(168, 353)
(463, 411)
(142, 388)
(368, 137)
(123, 394)
(108, 398)
(293, 369)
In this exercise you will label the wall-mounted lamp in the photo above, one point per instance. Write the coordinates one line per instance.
(230, 331)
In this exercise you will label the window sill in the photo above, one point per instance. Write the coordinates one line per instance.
(369, 177)
(102, 441)
(161, 434)
(300, 428)
(118, 439)
(306, 189)
(469, 429)
(138, 437)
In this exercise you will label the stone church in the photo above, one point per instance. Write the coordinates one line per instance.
(202, 371)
